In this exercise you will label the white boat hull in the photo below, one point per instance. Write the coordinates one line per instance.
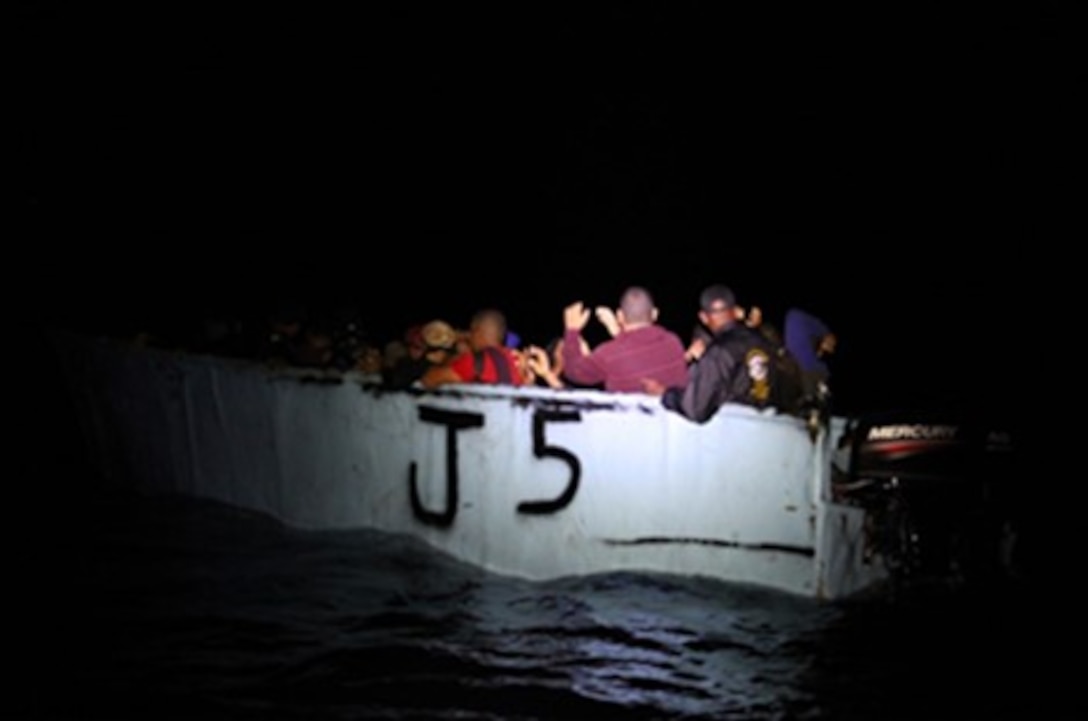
(529, 482)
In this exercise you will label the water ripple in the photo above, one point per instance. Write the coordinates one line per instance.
(197, 611)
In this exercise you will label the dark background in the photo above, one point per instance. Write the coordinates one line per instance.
(907, 173)
(896, 171)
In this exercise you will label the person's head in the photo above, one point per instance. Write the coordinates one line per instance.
(440, 341)
(370, 359)
(316, 349)
(717, 307)
(636, 308)
(487, 328)
(393, 353)
(826, 345)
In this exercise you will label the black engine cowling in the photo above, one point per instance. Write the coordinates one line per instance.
(937, 489)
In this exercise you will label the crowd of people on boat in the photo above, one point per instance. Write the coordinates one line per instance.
(734, 354)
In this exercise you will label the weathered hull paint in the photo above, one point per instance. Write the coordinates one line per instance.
(529, 482)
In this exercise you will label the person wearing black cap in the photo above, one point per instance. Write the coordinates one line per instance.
(737, 366)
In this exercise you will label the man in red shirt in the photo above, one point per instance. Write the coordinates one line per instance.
(641, 349)
(487, 360)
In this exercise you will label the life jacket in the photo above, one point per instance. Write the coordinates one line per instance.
(498, 359)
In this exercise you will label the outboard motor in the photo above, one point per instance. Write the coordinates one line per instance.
(936, 490)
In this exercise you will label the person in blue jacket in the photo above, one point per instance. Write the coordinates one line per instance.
(811, 342)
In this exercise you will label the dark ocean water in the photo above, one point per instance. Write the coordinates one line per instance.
(166, 608)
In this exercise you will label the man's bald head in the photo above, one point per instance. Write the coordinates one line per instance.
(637, 306)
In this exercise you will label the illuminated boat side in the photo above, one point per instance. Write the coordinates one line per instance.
(529, 482)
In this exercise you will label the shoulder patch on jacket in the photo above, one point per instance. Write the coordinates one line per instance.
(758, 364)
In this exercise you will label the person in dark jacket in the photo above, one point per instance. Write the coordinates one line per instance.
(737, 366)
(812, 343)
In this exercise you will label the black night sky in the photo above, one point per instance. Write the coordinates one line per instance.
(892, 171)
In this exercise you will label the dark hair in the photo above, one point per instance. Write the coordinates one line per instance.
(714, 294)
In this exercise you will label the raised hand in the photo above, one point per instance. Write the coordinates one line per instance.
(575, 316)
(695, 350)
(607, 318)
(539, 363)
(524, 368)
(538, 360)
